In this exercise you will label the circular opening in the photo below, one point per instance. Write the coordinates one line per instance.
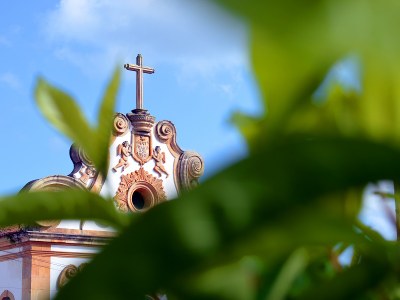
(141, 197)
(138, 200)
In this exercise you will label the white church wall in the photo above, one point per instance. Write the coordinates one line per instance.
(87, 225)
(59, 263)
(11, 275)
(69, 224)
(92, 225)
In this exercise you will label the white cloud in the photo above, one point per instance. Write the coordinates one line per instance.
(10, 80)
(191, 34)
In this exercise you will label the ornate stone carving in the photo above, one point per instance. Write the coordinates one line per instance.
(142, 122)
(191, 167)
(188, 165)
(84, 168)
(139, 186)
(159, 158)
(142, 150)
(165, 131)
(121, 124)
(124, 150)
(67, 273)
(86, 174)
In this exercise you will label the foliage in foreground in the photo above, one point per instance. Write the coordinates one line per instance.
(270, 226)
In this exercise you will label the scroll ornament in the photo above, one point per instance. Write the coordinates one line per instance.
(121, 124)
(67, 273)
(165, 131)
(191, 167)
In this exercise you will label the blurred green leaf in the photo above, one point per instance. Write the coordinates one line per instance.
(293, 267)
(28, 207)
(235, 280)
(270, 206)
(62, 111)
(352, 283)
(292, 42)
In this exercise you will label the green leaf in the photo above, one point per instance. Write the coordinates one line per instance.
(271, 205)
(353, 283)
(292, 268)
(292, 41)
(28, 207)
(63, 113)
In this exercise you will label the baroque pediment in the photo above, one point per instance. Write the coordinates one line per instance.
(143, 154)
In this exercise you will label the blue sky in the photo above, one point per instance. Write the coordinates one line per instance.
(202, 75)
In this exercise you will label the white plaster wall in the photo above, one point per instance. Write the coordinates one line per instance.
(87, 225)
(11, 275)
(69, 224)
(59, 263)
(75, 249)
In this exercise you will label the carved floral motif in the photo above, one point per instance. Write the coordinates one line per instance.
(149, 187)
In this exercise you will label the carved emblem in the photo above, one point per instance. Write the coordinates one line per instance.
(139, 186)
(123, 150)
(142, 152)
(67, 273)
(159, 158)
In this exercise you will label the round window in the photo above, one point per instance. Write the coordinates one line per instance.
(141, 197)
(138, 200)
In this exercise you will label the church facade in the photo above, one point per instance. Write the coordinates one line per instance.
(146, 167)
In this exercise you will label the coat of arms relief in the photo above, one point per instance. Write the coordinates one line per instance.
(142, 150)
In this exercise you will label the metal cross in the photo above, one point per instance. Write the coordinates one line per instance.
(139, 69)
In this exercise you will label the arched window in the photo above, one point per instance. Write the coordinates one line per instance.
(7, 295)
